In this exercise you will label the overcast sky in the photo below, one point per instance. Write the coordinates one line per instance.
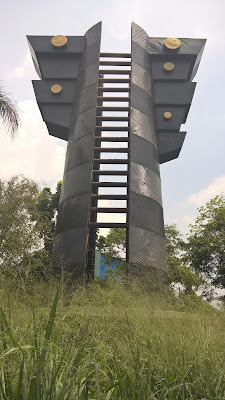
(187, 182)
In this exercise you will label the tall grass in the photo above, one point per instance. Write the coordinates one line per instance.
(108, 341)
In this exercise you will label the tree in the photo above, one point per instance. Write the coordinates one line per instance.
(47, 208)
(179, 271)
(27, 227)
(19, 236)
(206, 242)
(8, 113)
(113, 245)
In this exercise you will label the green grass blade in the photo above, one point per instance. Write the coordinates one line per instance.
(97, 382)
(49, 326)
(8, 331)
(2, 391)
(19, 394)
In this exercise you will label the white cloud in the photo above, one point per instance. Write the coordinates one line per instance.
(21, 71)
(33, 153)
(215, 188)
(184, 222)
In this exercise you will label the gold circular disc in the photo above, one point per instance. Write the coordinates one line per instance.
(167, 115)
(168, 66)
(172, 43)
(56, 88)
(59, 40)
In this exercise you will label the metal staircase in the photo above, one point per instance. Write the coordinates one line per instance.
(113, 87)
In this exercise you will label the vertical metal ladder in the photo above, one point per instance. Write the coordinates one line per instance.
(111, 83)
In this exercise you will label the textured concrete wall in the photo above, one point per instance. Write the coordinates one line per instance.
(72, 227)
(146, 230)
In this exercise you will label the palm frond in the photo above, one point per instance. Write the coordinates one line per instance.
(8, 113)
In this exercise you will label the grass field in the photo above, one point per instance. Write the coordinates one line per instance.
(108, 341)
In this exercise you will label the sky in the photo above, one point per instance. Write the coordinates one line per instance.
(188, 182)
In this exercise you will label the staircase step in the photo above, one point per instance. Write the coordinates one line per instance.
(112, 149)
(103, 118)
(112, 139)
(108, 210)
(108, 225)
(110, 184)
(112, 128)
(110, 196)
(114, 72)
(114, 63)
(106, 98)
(116, 55)
(111, 161)
(109, 172)
(112, 108)
(114, 80)
(112, 89)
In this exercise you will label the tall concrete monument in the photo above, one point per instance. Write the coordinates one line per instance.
(121, 115)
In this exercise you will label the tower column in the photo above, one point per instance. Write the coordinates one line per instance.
(146, 245)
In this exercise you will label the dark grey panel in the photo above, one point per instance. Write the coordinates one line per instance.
(178, 117)
(144, 153)
(69, 250)
(174, 93)
(42, 44)
(76, 181)
(197, 62)
(188, 46)
(79, 152)
(146, 213)
(44, 94)
(59, 65)
(73, 213)
(146, 182)
(181, 69)
(139, 55)
(57, 131)
(57, 114)
(143, 126)
(170, 144)
(171, 155)
(193, 48)
(138, 35)
(147, 248)
(82, 125)
(140, 77)
(141, 100)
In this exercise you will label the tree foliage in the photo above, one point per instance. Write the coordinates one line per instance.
(206, 242)
(8, 113)
(113, 245)
(179, 271)
(47, 207)
(19, 235)
(27, 226)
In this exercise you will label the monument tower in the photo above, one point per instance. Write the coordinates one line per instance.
(121, 115)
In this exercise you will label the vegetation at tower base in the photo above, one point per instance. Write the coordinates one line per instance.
(179, 270)
(206, 242)
(108, 341)
(27, 224)
(103, 340)
(8, 113)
